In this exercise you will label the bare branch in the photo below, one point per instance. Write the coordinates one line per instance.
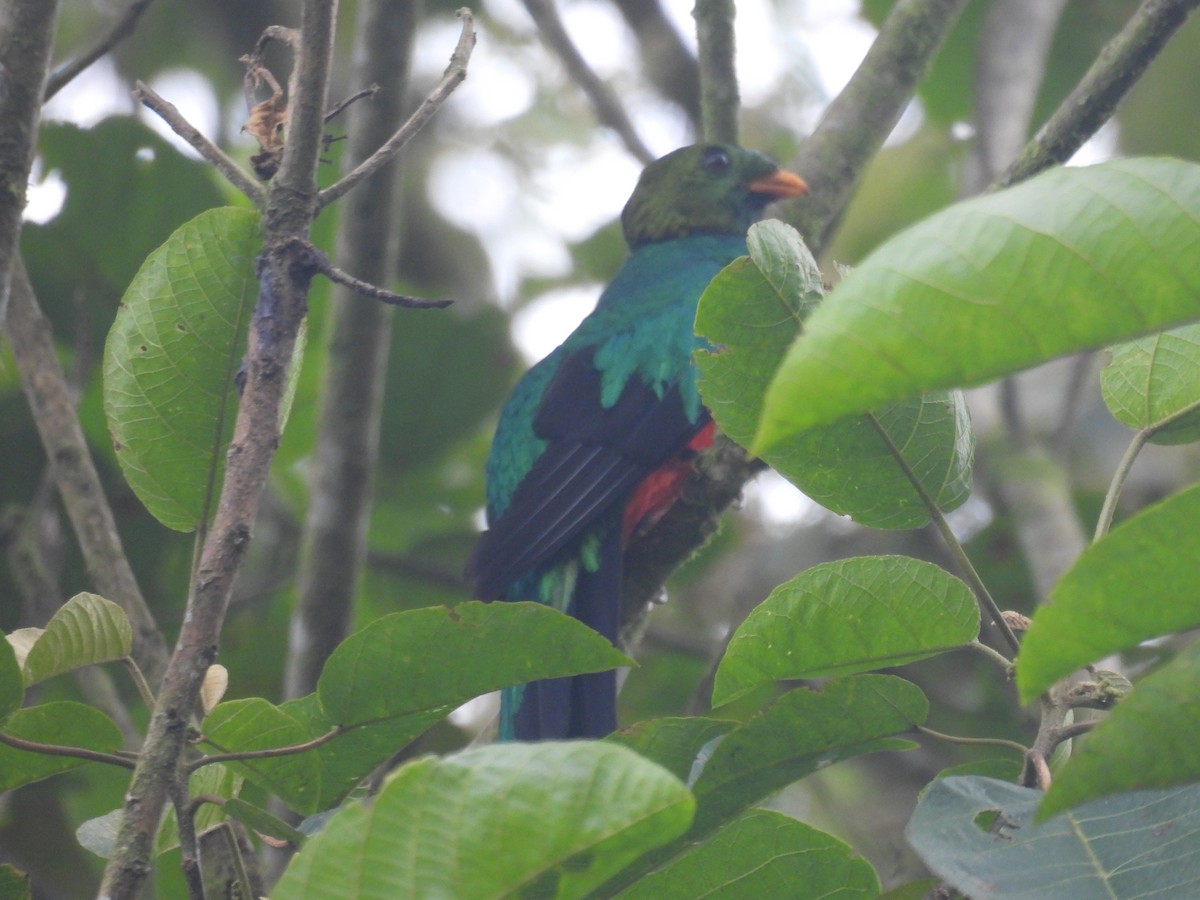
(604, 100)
(122, 28)
(719, 99)
(1093, 101)
(455, 72)
(75, 474)
(235, 174)
(311, 256)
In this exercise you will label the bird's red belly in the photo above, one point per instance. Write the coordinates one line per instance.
(657, 491)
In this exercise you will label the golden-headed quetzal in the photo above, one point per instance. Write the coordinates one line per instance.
(594, 441)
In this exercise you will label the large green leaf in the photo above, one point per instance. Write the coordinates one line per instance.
(170, 361)
(680, 745)
(1073, 259)
(62, 722)
(1116, 755)
(14, 884)
(573, 813)
(805, 730)
(979, 835)
(752, 312)
(12, 683)
(415, 661)
(388, 683)
(256, 724)
(761, 853)
(85, 630)
(847, 616)
(1137, 582)
(1153, 383)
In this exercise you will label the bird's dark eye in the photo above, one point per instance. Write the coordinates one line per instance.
(715, 160)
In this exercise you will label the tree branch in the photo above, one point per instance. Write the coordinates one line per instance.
(719, 100)
(26, 35)
(222, 162)
(455, 72)
(1095, 98)
(347, 444)
(61, 750)
(270, 753)
(604, 100)
(75, 475)
(122, 28)
(290, 208)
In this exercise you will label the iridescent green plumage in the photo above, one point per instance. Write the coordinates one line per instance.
(588, 427)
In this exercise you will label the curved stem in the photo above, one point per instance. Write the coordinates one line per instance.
(269, 753)
(973, 741)
(966, 567)
(1108, 510)
(61, 750)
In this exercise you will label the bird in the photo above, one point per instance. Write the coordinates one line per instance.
(594, 442)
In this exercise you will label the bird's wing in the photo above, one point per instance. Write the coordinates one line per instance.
(594, 457)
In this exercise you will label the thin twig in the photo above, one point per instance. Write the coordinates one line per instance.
(364, 94)
(319, 262)
(222, 162)
(1093, 101)
(188, 847)
(122, 28)
(973, 741)
(455, 72)
(139, 680)
(269, 753)
(62, 750)
(604, 100)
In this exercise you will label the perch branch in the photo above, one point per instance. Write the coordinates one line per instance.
(122, 28)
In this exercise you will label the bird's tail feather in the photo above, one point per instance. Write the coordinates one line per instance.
(578, 706)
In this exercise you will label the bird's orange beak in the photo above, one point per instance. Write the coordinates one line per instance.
(779, 184)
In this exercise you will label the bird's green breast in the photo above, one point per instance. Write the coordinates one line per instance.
(643, 326)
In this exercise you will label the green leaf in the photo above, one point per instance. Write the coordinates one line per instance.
(1137, 582)
(170, 360)
(848, 616)
(62, 722)
(802, 732)
(1116, 756)
(348, 758)
(14, 884)
(1153, 383)
(1073, 259)
(761, 854)
(263, 822)
(12, 683)
(979, 835)
(85, 630)
(424, 659)
(752, 312)
(679, 745)
(574, 813)
(239, 726)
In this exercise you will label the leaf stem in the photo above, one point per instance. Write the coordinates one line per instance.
(973, 741)
(982, 594)
(139, 680)
(995, 655)
(269, 753)
(62, 750)
(1109, 509)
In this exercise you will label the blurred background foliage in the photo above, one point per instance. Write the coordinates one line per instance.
(509, 202)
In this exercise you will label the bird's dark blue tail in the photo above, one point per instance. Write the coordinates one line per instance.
(578, 706)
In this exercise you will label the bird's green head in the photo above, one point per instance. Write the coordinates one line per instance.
(704, 189)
